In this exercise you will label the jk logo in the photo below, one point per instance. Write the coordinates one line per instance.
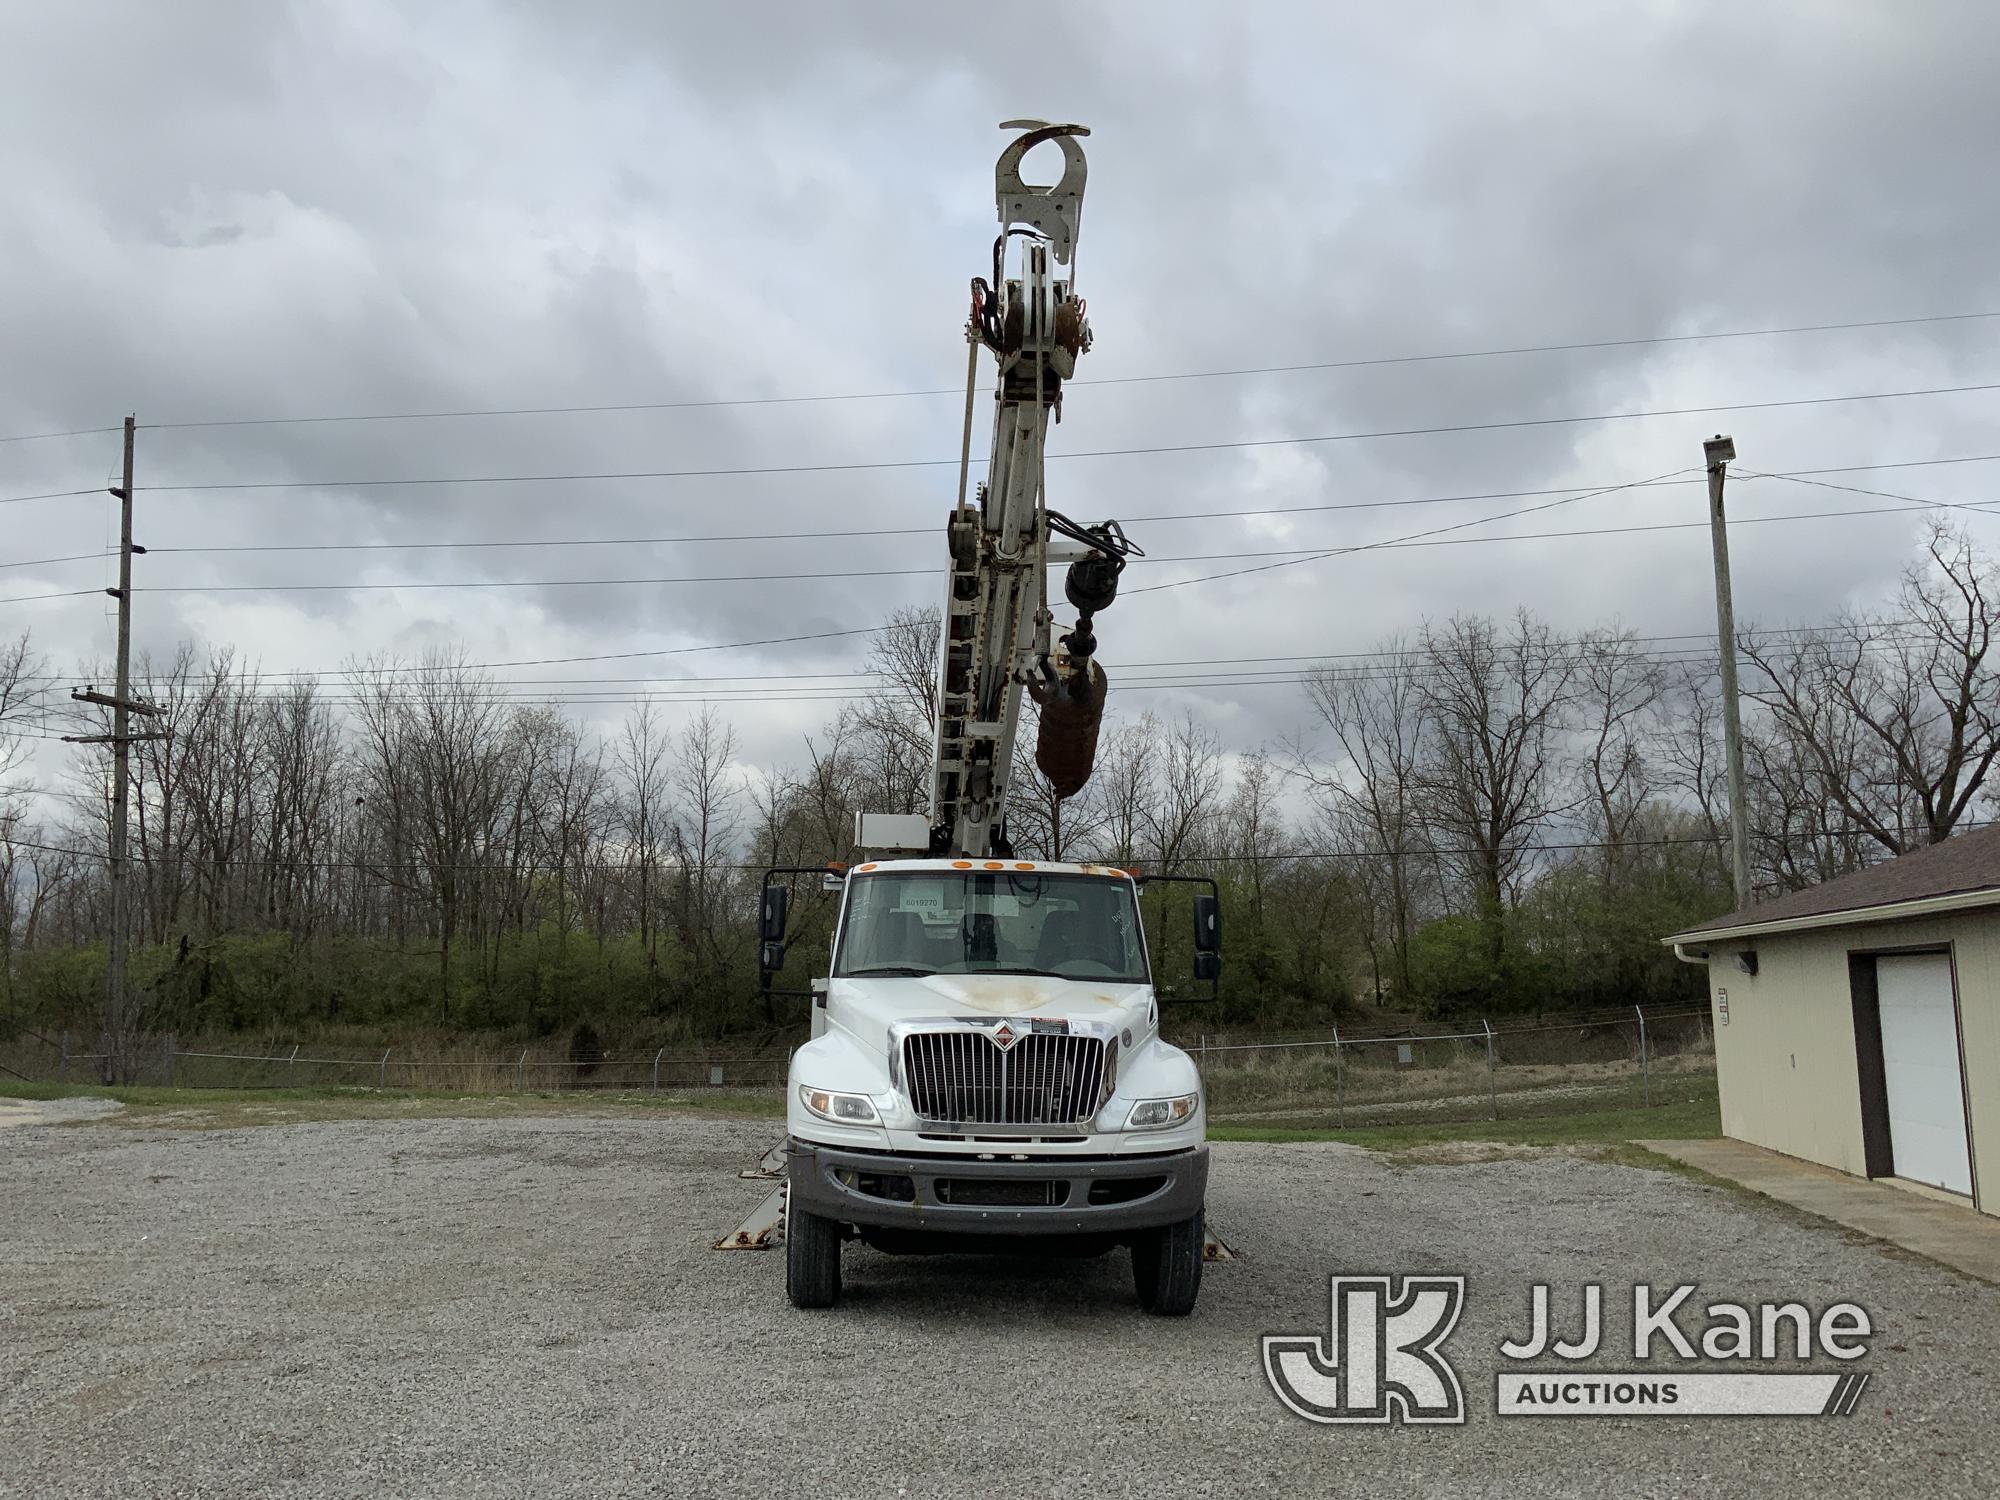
(1380, 1362)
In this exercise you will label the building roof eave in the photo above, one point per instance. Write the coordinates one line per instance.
(1855, 916)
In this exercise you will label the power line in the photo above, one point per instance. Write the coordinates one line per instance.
(1392, 541)
(515, 872)
(1364, 664)
(52, 495)
(49, 562)
(1420, 538)
(379, 672)
(614, 692)
(1192, 515)
(1165, 448)
(1292, 554)
(37, 437)
(518, 583)
(386, 675)
(1216, 374)
(1148, 518)
(563, 661)
(37, 598)
(1979, 506)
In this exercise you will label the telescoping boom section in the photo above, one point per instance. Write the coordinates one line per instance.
(999, 636)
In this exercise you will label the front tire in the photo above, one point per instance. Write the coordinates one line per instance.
(812, 1260)
(1166, 1267)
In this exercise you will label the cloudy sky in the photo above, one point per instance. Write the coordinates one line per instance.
(244, 212)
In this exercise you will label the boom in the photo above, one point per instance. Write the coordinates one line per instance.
(997, 636)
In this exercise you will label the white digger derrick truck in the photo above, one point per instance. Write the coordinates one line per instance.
(985, 1069)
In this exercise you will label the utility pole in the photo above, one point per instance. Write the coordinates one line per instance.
(121, 737)
(1717, 453)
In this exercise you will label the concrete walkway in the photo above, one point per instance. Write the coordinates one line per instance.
(1957, 1235)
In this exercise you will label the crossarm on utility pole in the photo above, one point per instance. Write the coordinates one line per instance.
(107, 700)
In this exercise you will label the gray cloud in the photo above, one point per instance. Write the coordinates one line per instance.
(250, 210)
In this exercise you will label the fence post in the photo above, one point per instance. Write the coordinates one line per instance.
(292, 1069)
(1339, 1079)
(170, 1060)
(1645, 1072)
(1492, 1088)
(656, 1068)
(65, 1057)
(520, 1063)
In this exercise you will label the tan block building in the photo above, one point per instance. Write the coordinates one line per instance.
(1857, 1023)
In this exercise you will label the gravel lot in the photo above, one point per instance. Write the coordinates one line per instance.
(530, 1307)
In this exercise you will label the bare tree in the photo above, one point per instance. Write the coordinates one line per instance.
(439, 768)
(1124, 784)
(1369, 796)
(20, 671)
(829, 791)
(21, 680)
(895, 724)
(1495, 702)
(1187, 791)
(1897, 719)
(1618, 689)
(1690, 747)
(1799, 836)
(1042, 824)
(708, 789)
(645, 821)
(569, 823)
(1253, 829)
(309, 782)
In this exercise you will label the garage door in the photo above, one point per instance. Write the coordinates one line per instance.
(1920, 1068)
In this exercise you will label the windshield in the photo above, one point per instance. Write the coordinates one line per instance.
(981, 922)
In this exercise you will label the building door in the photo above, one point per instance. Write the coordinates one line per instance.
(1920, 1071)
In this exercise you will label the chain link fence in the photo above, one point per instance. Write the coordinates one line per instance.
(161, 1061)
(1514, 1069)
(1519, 1068)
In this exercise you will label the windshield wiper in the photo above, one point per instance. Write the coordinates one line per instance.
(897, 971)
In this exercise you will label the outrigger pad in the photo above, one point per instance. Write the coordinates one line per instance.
(763, 1229)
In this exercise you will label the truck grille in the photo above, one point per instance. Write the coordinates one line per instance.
(1044, 1079)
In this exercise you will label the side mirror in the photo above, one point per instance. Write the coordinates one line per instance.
(770, 958)
(1208, 967)
(777, 902)
(1207, 930)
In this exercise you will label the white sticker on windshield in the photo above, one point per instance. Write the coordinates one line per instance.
(927, 900)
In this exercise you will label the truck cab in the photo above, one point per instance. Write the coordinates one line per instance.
(986, 1073)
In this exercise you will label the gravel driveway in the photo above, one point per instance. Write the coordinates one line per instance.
(530, 1307)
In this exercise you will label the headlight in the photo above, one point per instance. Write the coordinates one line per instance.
(842, 1109)
(1153, 1114)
